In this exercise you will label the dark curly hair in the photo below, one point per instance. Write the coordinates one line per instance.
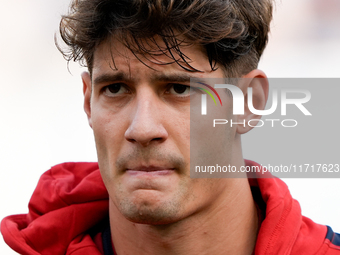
(234, 33)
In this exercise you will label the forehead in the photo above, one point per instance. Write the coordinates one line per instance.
(112, 55)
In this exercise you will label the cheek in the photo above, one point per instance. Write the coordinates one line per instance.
(109, 139)
(100, 126)
(180, 131)
(108, 128)
(211, 145)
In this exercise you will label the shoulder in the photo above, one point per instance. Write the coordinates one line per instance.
(331, 244)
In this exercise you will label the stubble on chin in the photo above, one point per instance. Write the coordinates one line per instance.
(158, 208)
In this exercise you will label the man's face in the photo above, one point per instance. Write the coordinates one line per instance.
(140, 116)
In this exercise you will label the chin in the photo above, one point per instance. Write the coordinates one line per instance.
(143, 212)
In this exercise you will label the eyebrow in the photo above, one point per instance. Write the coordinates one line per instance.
(107, 78)
(111, 77)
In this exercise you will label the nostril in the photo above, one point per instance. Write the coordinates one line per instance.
(146, 142)
(130, 140)
(145, 137)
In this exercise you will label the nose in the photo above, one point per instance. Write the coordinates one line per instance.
(147, 121)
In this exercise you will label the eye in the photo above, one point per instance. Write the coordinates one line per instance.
(179, 89)
(115, 89)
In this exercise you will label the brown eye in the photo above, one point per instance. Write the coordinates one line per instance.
(114, 88)
(180, 89)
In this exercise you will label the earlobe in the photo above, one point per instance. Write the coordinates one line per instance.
(255, 89)
(87, 91)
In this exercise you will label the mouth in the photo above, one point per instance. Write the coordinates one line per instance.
(150, 170)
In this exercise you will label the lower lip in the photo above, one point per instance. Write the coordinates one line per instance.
(150, 173)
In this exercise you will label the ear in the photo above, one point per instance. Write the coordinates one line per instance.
(87, 91)
(258, 81)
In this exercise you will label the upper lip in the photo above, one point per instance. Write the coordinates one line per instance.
(149, 168)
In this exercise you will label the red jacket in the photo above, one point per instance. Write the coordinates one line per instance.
(71, 199)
